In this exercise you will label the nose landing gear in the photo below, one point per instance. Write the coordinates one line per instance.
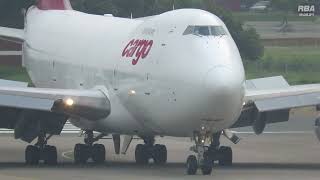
(203, 159)
(206, 155)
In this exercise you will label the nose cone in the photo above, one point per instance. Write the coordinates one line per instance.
(224, 88)
(223, 81)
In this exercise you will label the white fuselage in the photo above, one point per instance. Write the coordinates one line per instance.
(167, 84)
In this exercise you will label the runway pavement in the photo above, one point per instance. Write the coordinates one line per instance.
(270, 156)
(288, 151)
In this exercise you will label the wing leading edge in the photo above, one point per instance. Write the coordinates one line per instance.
(11, 34)
(88, 104)
(269, 100)
(30, 111)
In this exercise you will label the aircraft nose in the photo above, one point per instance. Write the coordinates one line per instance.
(222, 80)
(224, 88)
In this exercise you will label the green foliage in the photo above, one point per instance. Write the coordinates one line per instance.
(95, 6)
(250, 46)
(11, 14)
(14, 73)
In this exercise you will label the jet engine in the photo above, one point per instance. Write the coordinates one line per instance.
(259, 123)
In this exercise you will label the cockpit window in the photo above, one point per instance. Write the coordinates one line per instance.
(217, 31)
(205, 30)
(202, 30)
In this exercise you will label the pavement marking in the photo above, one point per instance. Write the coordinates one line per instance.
(275, 132)
(66, 156)
(10, 53)
(3, 176)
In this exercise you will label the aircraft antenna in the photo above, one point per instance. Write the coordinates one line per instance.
(173, 8)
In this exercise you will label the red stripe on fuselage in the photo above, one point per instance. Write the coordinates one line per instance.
(52, 4)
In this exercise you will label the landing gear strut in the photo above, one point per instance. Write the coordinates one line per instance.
(206, 155)
(82, 152)
(222, 154)
(149, 150)
(41, 151)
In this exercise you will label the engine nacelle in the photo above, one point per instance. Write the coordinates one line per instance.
(259, 123)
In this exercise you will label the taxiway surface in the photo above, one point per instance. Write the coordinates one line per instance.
(269, 156)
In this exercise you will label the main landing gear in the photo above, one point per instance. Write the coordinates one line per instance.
(149, 150)
(83, 152)
(41, 151)
(206, 155)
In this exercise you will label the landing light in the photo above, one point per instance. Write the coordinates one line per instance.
(69, 102)
(132, 92)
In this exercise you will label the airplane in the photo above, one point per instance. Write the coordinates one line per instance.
(177, 74)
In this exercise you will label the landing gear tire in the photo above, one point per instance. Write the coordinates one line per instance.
(160, 154)
(157, 152)
(81, 153)
(206, 168)
(32, 155)
(141, 154)
(50, 155)
(226, 156)
(41, 151)
(98, 153)
(192, 165)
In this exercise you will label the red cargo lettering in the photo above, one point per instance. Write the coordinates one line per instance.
(137, 49)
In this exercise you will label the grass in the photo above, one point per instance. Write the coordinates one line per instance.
(270, 16)
(14, 73)
(299, 65)
(292, 53)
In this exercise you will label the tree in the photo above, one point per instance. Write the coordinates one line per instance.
(250, 45)
(11, 14)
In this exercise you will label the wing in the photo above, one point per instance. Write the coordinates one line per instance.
(11, 34)
(30, 110)
(269, 100)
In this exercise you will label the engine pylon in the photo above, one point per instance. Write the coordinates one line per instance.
(317, 128)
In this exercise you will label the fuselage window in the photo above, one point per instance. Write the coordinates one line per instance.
(205, 30)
